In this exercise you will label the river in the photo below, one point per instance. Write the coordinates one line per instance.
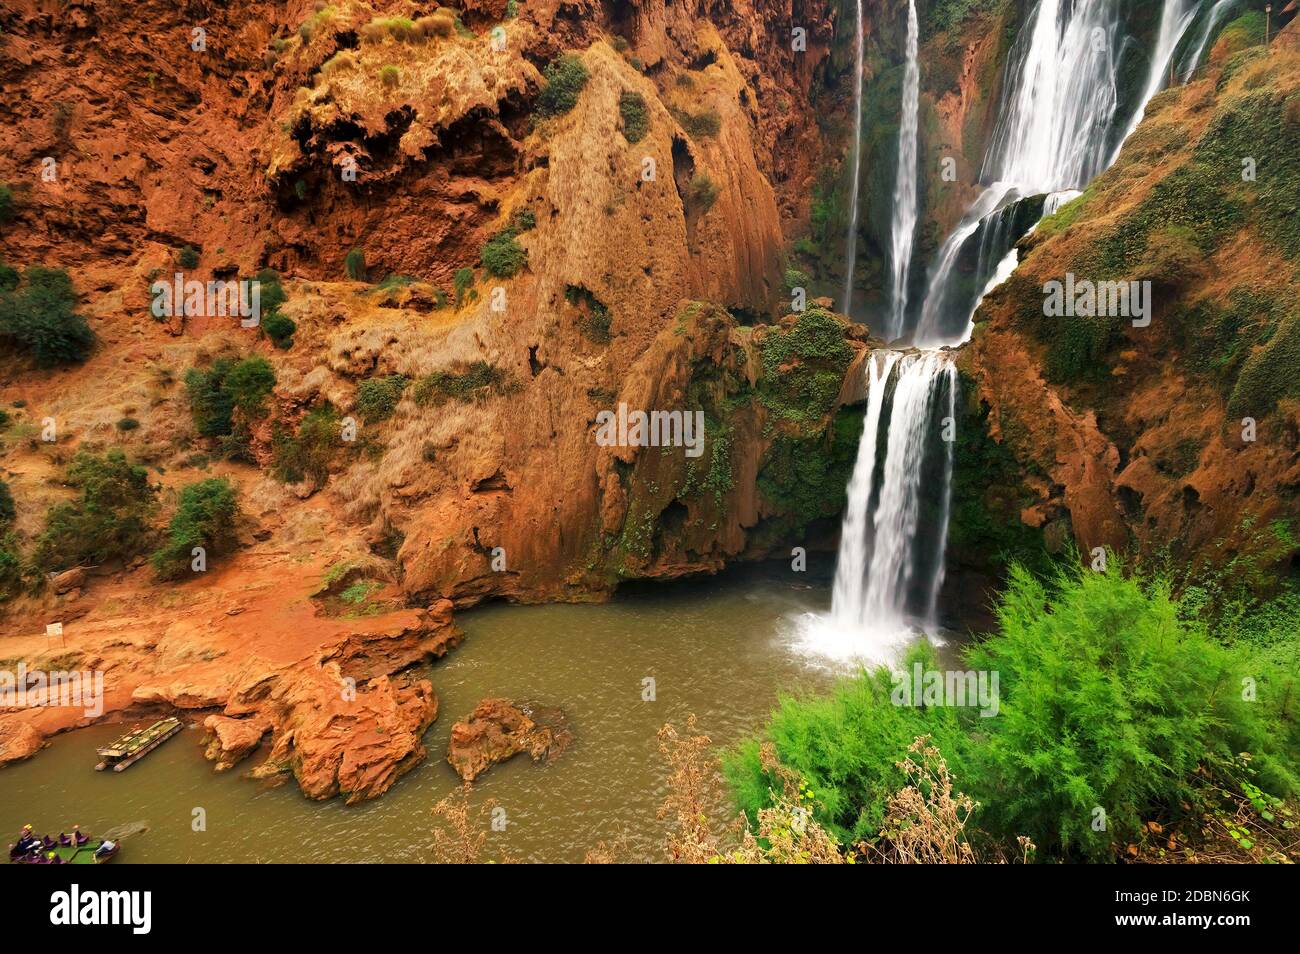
(721, 648)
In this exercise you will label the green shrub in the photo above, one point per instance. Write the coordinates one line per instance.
(188, 257)
(845, 745)
(464, 385)
(206, 517)
(271, 294)
(8, 512)
(224, 388)
(308, 453)
(211, 406)
(354, 264)
(280, 329)
(9, 278)
(705, 125)
(377, 398)
(1109, 700)
(107, 521)
(596, 319)
(701, 193)
(636, 118)
(12, 569)
(503, 256)
(40, 317)
(463, 281)
(390, 75)
(6, 202)
(127, 424)
(565, 78)
(248, 384)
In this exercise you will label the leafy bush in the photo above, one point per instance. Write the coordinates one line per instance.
(503, 256)
(107, 521)
(702, 192)
(377, 398)
(7, 510)
(205, 517)
(845, 745)
(309, 453)
(271, 294)
(354, 264)
(636, 118)
(40, 317)
(9, 278)
(565, 78)
(248, 384)
(280, 329)
(188, 257)
(12, 569)
(228, 395)
(705, 125)
(465, 385)
(463, 281)
(390, 75)
(127, 424)
(6, 202)
(1110, 700)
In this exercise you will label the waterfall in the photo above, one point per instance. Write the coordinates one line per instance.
(1056, 131)
(1057, 128)
(905, 207)
(851, 252)
(891, 552)
(1217, 15)
(1175, 18)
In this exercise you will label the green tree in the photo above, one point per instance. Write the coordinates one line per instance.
(206, 517)
(40, 317)
(107, 521)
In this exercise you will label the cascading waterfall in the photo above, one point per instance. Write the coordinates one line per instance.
(851, 251)
(905, 199)
(1218, 13)
(1057, 128)
(890, 563)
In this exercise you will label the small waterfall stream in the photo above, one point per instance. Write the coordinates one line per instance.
(851, 241)
(1058, 127)
(905, 200)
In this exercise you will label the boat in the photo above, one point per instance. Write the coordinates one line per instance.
(87, 853)
(136, 744)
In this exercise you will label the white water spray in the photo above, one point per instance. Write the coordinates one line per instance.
(905, 200)
(851, 252)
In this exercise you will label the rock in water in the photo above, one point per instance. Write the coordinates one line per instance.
(498, 729)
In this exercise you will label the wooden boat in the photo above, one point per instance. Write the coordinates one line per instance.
(84, 854)
(136, 744)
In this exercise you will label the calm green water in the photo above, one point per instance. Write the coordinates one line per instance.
(721, 649)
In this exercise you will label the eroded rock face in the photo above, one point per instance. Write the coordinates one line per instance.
(229, 741)
(498, 729)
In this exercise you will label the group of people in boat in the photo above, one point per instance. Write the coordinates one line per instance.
(43, 850)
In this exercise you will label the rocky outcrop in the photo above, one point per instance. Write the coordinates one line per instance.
(498, 730)
(229, 741)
